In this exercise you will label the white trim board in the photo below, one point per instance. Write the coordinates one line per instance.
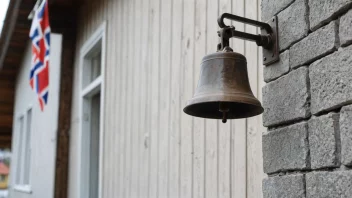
(96, 85)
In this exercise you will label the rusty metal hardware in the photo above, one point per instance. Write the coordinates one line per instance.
(268, 38)
(223, 90)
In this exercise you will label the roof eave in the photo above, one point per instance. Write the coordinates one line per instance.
(8, 28)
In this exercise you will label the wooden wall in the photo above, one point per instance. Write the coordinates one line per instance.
(151, 148)
(7, 87)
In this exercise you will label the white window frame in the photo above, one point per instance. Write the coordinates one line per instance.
(22, 144)
(96, 85)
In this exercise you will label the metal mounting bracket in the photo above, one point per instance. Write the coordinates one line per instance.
(271, 55)
(268, 38)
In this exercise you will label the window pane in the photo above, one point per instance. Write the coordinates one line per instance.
(96, 66)
(94, 146)
(92, 65)
(27, 157)
(19, 150)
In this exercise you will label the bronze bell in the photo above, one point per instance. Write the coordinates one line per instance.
(223, 90)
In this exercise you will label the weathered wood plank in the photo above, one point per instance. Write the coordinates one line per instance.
(129, 115)
(117, 100)
(211, 130)
(107, 152)
(144, 100)
(252, 127)
(175, 105)
(239, 131)
(136, 77)
(257, 145)
(199, 123)
(187, 92)
(122, 107)
(154, 63)
(110, 150)
(224, 134)
(164, 95)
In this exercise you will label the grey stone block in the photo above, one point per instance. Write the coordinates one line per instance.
(287, 98)
(292, 24)
(329, 184)
(286, 149)
(291, 186)
(324, 141)
(346, 29)
(317, 44)
(346, 135)
(322, 11)
(277, 69)
(272, 7)
(330, 81)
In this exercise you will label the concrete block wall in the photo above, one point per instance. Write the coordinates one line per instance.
(307, 148)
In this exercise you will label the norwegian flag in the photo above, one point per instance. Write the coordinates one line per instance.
(40, 36)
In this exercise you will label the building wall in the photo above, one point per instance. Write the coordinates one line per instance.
(151, 148)
(43, 127)
(307, 148)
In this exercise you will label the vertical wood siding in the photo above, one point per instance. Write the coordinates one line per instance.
(151, 148)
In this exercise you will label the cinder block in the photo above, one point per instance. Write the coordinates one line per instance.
(330, 81)
(324, 141)
(278, 69)
(271, 7)
(287, 98)
(291, 186)
(314, 46)
(292, 24)
(346, 135)
(322, 11)
(286, 149)
(346, 29)
(329, 184)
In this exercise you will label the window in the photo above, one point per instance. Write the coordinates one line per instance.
(24, 127)
(91, 69)
(27, 152)
(19, 150)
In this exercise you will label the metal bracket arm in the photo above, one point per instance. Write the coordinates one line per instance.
(268, 39)
(229, 32)
(247, 21)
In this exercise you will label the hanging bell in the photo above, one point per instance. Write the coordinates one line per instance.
(223, 90)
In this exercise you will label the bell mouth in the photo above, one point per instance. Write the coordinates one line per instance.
(210, 110)
(236, 109)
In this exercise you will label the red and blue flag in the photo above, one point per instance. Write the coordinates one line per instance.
(40, 36)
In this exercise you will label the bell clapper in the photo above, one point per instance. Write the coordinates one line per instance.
(224, 117)
(224, 109)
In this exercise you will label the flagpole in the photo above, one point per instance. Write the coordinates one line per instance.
(36, 6)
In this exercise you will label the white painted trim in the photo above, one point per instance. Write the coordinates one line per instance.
(19, 144)
(24, 112)
(94, 39)
(90, 89)
(102, 112)
(23, 188)
(99, 34)
(29, 107)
